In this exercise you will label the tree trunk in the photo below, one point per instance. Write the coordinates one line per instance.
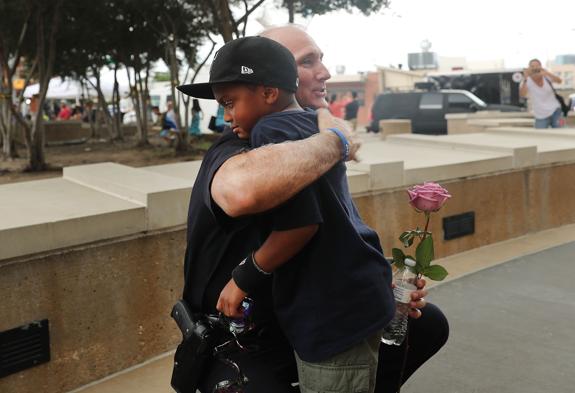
(118, 132)
(182, 140)
(290, 7)
(102, 103)
(226, 23)
(136, 103)
(7, 130)
(143, 106)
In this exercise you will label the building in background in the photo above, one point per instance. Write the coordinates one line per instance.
(564, 67)
(369, 85)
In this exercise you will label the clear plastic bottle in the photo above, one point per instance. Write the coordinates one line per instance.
(394, 332)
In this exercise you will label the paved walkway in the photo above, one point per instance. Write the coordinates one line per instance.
(512, 324)
(512, 329)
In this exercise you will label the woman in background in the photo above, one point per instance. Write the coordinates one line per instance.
(197, 115)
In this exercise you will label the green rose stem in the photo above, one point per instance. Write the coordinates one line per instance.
(427, 217)
(417, 278)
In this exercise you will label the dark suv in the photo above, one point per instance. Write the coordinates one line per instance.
(427, 109)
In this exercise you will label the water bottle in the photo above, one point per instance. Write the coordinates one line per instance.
(394, 332)
(239, 325)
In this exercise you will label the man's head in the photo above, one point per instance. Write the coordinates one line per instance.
(312, 73)
(535, 68)
(250, 77)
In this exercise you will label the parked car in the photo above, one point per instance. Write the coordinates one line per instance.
(427, 109)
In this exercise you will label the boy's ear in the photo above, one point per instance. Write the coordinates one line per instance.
(271, 94)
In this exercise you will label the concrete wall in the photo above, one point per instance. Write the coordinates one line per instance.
(108, 306)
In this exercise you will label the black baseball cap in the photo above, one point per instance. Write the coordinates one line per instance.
(254, 60)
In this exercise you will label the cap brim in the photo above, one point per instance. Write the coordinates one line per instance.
(198, 90)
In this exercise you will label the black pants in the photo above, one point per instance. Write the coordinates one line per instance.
(272, 368)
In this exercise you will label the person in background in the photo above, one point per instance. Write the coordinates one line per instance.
(220, 123)
(336, 106)
(197, 115)
(65, 112)
(168, 123)
(351, 110)
(537, 85)
(77, 112)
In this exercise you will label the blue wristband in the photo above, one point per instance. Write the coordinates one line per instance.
(344, 142)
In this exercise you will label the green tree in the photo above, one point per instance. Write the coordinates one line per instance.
(15, 31)
(315, 7)
(46, 19)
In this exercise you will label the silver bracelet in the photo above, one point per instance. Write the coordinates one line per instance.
(259, 269)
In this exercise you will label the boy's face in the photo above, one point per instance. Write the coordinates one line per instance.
(243, 106)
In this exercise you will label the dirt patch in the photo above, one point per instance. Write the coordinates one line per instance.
(94, 151)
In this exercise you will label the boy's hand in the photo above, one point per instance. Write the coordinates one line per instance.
(325, 120)
(230, 300)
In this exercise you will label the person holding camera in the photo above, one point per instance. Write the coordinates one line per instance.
(537, 85)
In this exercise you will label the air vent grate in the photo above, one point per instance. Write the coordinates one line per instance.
(458, 225)
(24, 347)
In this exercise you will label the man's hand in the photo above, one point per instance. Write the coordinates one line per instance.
(230, 299)
(325, 120)
(418, 299)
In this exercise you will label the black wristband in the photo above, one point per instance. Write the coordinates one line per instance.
(248, 276)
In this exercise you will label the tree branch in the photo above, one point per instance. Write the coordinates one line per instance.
(245, 17)
(19, 44)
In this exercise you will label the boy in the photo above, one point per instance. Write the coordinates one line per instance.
(332, 286)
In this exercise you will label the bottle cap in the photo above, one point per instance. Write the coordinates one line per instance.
(409, 262)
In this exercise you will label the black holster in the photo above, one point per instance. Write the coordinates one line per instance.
(196, 350)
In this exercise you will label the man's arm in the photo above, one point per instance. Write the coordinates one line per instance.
(263, 178)
(554, 78)
(523, 89)
(278, 248)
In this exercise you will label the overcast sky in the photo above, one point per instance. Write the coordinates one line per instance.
(513, 30)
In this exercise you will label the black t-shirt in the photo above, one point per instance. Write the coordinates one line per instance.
(337, 290)
(217, 243)
(351, 110)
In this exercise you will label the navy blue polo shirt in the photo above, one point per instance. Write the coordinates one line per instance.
(337, 290)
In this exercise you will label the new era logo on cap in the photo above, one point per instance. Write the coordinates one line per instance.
(247, 70)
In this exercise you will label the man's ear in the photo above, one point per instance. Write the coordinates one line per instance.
(271, 94)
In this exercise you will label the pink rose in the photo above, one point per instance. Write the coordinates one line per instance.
(428, 197)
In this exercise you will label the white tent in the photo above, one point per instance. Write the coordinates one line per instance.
(70, 89)
(59, 89)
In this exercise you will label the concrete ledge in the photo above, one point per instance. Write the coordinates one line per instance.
(549, 132)
(461, 123)
(394, 126)
(487, 114)
(483, 124)
(524, 153)
(182, 170)
(381, 174)
(435, 163)
(50, 214)
(357, 181)
(166, 197)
